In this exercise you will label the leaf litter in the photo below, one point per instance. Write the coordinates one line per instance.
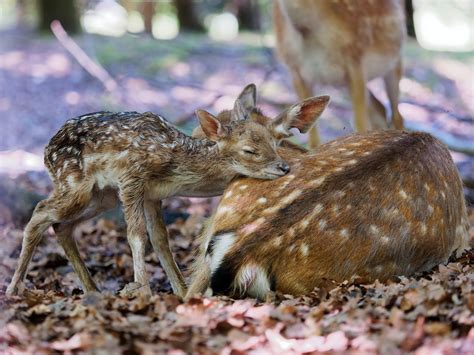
(430, 312)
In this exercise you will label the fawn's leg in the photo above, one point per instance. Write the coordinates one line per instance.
(358, 92)
(131, 196)
(43, 217)
(392, 81)
(66, 240)
(377, 113)
(303, 90)
(100, 201)
(159, 240)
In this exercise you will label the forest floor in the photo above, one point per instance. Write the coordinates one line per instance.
(41, 86)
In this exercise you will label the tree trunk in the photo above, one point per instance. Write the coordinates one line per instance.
(63, 10)
(248, 14)
(409, 18)
(148, 10)
(187, 17)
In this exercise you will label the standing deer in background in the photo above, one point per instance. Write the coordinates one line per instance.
(375, 204)
(99, 159)
(344, 42)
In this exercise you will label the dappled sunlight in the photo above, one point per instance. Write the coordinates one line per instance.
(460, 73)
(222, 27)
(16, 162)
(72, 97)
(445, 25)
(180, 69)
(35, 65)
(140, 93)
(165, 26)
(107, 18)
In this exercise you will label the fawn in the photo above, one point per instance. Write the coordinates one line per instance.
(344, 42)
(99, 159)
(375, 204)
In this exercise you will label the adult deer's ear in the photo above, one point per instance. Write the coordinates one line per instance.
(211, 126)
(300, 116)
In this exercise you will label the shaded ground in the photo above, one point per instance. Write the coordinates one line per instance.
(41, 86)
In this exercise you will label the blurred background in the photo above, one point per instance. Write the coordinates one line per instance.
(174, 56)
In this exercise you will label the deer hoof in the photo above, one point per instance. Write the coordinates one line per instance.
(15, 289)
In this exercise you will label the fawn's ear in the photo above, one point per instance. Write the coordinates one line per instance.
(245, 103)
(300, 116)
(248, 97)
(211, 126)
(239, 113)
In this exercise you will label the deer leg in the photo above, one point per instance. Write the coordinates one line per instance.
(201, 280)
(132, 200)
(66, 240)
(43, 217)
(303, 90)
(377, 113)
(358, 92)
(159, 240)
(392, 81)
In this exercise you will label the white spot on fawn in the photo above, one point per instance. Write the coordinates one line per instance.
(304, 223)
(317, 182)
(344, 233)
(403, 194)
(228, 194)
(243, 187)
(423, 229)
(373, 229)
(385, 239)
(322, 224)
(352, 162)
(277, 241)
(304, 249)
(317, 209)
(262, 200)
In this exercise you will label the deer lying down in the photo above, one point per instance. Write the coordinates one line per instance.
(344, 43)
(377, 205)
(99, 159)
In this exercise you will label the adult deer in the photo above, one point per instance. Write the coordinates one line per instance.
(376, 204)
(139, 159)
(344, 43)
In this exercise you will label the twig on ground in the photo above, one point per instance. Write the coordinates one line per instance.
(82, 58)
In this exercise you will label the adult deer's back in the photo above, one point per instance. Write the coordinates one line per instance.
(344, 42)
(376, 205)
